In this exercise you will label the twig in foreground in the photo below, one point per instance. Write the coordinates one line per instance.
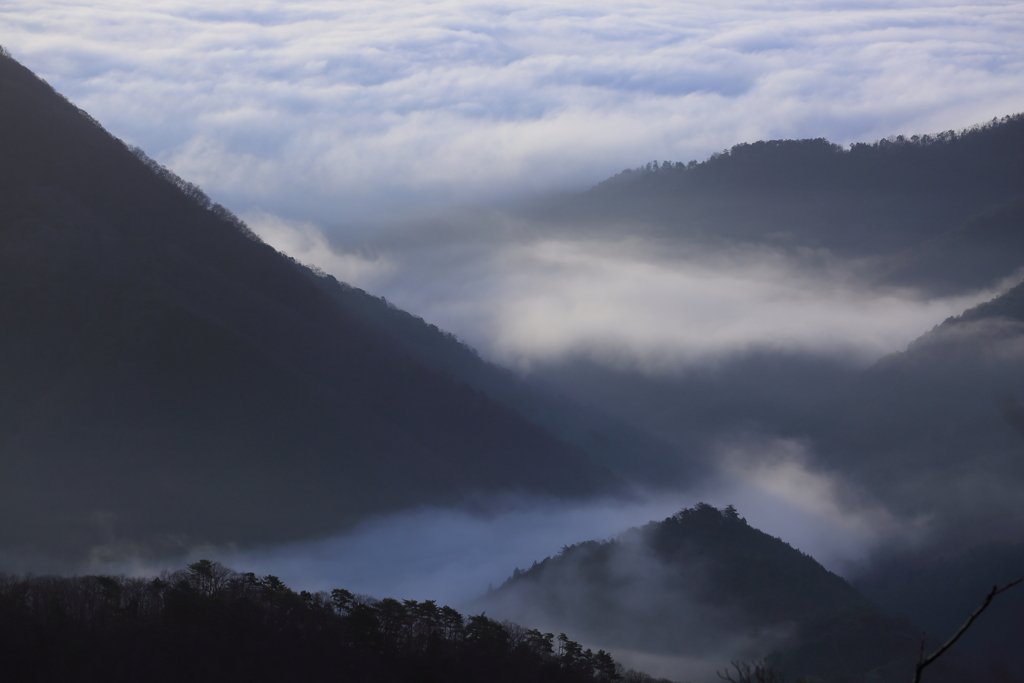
(923, 661)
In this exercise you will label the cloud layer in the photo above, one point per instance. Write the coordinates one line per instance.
(522, 292)
(334, 111)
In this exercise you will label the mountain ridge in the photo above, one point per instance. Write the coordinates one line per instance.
(167, 373)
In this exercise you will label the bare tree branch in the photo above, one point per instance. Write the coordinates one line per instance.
(922, 661)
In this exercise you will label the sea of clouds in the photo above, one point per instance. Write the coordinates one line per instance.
(334, 111)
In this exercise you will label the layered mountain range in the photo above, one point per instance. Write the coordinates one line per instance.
(931, 433)
(168, 380)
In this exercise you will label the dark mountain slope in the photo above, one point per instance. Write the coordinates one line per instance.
(869, 199)
(705, 583)
(972, 256)
(936, 430)
(625, 449)
(936, 433)
(1008, 306)
(163, 375)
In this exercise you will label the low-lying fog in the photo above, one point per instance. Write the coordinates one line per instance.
(521, 292)
(453, 555)
(529, 295)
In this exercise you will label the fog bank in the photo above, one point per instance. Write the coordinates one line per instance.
(523, 292)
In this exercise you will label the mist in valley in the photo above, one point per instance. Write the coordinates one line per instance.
(463, 341)
(833, 401)
(725, 350)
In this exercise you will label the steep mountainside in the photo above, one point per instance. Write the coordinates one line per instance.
(928, 429)
(625, 449)
(167, 378)
(936, 435)
(974, 255)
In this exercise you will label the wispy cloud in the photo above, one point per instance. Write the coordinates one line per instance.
(522, 292)
(776, 484)
(333, 111)
(442, 554)
(453, 555)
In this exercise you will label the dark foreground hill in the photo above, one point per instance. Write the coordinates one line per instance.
(703, 585)
(212, 624)
(166, 378)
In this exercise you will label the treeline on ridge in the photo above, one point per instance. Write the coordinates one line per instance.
(211, 623)
(866, 199)
(900, 159)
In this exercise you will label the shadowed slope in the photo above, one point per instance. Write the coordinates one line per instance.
(972, 256)
(165, 377)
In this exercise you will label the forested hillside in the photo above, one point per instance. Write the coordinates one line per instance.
(166, 379)
(944, 415)
(208, 623)
(704, 581)
(867, 199)
(627, 450)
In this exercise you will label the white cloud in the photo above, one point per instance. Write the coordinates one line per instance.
(520, 296)
(313, 119)
(332, 111)
(607, 297)
(774, 482)
(304, 241)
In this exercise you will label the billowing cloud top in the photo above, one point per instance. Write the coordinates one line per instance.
(333, 110)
